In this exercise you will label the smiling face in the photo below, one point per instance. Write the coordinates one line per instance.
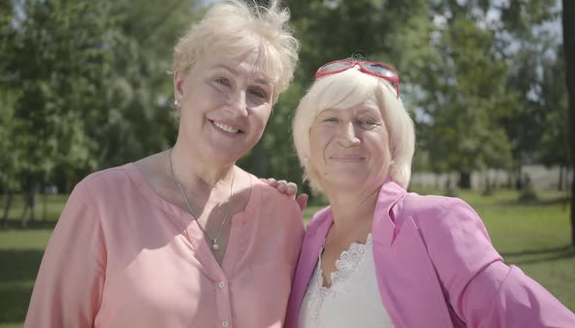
(225, 104)
(349, 147)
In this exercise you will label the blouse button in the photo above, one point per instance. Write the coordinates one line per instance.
(225, 323)
(221, 285)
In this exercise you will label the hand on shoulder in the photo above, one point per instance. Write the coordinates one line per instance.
(288, 188)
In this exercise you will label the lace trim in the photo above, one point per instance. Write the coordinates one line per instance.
(347, 266)
(349, 261)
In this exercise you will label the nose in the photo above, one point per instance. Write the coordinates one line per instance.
(237, 103)
(348, 136)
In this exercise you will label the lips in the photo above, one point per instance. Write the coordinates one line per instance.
(347, 158)
(227, 128)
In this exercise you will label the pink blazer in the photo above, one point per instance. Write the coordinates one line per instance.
(436, 267)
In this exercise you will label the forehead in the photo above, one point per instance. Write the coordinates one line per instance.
(367, 106)
(249, 64)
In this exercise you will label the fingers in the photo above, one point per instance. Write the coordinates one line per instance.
(271, 182)
(291, 188)
(302, 201)
(282, 186)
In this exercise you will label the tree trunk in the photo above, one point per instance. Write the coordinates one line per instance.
(569, 48)
(560, 184)
(30, 200)
(464, 180)
(9, 199)
(44, 205)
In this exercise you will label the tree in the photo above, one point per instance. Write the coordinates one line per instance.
(58, 71)
(554, 145)
(138, 120)
(8, 96)
(465, 103)
(569, 48)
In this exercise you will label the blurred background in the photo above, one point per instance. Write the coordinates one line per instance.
(84, 86)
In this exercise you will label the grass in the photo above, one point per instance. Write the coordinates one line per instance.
(535, 236)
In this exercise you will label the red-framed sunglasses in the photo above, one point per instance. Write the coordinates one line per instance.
(374, 68)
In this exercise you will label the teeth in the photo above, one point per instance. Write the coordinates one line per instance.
(226, 127)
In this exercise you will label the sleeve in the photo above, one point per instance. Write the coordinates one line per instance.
(481, 289)
(297, 234)
(68, 288)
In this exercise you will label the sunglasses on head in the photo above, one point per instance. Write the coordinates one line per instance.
(374, 68)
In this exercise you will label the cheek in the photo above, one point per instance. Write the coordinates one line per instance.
(316, 140)
(260, 115)
(382, 148)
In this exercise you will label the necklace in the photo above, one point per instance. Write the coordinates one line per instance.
(214, 240)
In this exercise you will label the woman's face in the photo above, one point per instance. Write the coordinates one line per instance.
(225, 105)
(349, 148)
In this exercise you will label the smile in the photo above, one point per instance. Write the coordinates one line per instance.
(226, 128)
(347, 159)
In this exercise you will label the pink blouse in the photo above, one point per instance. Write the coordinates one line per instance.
(121, 256)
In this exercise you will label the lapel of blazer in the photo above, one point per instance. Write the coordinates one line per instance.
(311, 247)
(408, 285)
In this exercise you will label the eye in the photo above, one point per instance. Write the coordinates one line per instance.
(330, 120)
(259, 93)
(222, 80)
(367, 123)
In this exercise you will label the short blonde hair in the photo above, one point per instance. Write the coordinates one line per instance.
(235, 27)
(346, 90)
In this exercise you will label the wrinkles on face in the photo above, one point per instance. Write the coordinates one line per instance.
(349, 146)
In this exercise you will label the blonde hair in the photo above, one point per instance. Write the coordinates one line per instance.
(346, 90)
(235, 27)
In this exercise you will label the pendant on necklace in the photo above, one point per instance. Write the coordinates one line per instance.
(215, 246)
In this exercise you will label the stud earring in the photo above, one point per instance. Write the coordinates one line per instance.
(177, 103)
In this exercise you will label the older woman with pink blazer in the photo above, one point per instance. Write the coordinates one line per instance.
(379, 256)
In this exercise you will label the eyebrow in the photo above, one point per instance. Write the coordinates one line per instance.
(234, 71)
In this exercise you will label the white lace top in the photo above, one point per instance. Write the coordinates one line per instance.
(352, 300)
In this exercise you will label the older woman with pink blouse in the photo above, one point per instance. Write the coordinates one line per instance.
(380, 256)
(184, 237)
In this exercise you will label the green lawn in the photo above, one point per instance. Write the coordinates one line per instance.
(534, 236)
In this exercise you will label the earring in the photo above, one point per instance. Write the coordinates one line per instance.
(177, 103)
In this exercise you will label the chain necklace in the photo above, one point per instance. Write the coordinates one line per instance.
(214, 240)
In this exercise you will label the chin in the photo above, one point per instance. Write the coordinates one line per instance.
(223, 156)
(348, 184)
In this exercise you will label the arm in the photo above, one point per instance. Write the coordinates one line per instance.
(482, 290)
(67, 291)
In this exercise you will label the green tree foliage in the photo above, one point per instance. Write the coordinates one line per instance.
(139, 121)
(84, 85)
(53, 81)
(554, 146)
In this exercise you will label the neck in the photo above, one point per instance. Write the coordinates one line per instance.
(194, 173)
(352, 208)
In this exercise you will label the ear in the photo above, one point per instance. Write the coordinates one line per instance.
(179, 78)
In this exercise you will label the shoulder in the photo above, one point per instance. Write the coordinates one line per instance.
(422, 207)
(275, 203)
(109, 175)
(319, 218)
(106, 183)
(439, 214)
(272, 195)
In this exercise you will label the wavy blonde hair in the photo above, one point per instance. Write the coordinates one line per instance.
(236, 27)
(346, 90)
